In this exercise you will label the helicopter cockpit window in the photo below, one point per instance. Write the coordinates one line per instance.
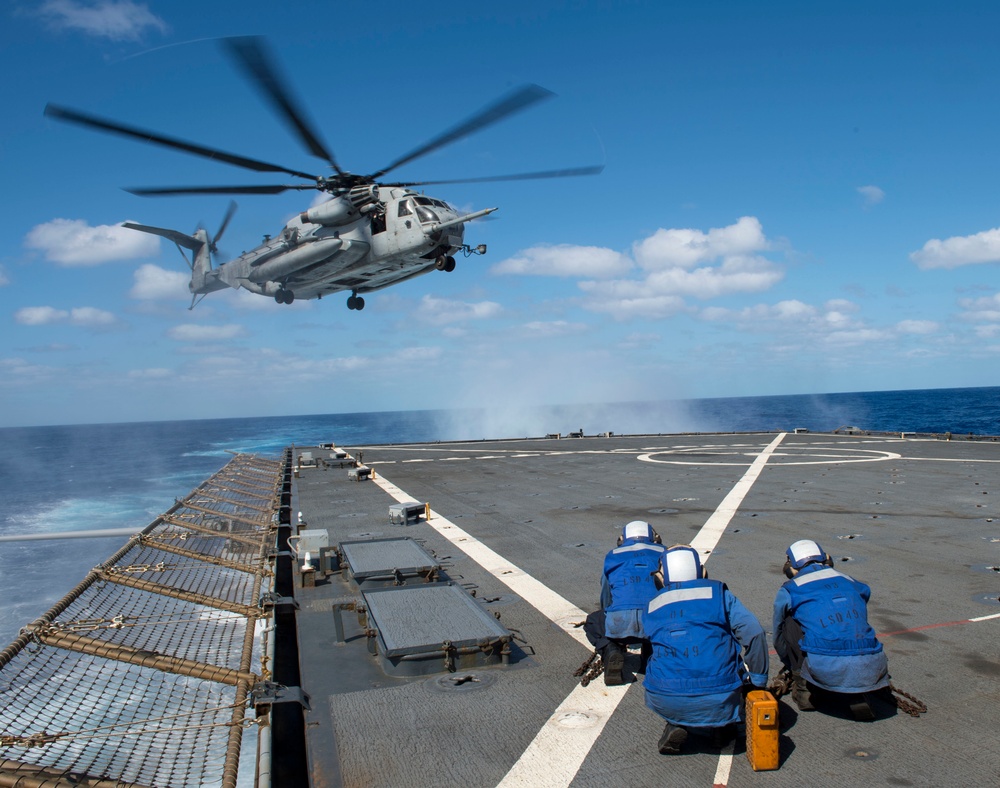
(426, 215)
(404, 209)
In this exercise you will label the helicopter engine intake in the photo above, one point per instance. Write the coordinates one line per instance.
(344, 209)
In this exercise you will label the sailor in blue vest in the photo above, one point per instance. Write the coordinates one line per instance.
(822, 634)
(627, 585)
(696, 674)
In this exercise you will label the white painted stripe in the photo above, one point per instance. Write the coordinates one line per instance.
(679, 595)
(710, 534)
(558, 750)
(985, 618)
(725, 764)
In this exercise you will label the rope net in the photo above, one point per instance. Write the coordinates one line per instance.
(138, 676)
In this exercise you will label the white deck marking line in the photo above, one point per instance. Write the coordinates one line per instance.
(558, 750)
(985, 618)
(711, 532)
(721, 779)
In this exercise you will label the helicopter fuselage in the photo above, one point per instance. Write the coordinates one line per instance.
(348, 243)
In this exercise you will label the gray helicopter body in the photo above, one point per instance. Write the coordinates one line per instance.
(363, 241)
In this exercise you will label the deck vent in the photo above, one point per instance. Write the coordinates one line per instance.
(387, 561)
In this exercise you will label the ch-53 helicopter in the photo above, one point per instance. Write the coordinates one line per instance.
(370, 235)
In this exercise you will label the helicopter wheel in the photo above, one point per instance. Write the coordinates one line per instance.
(284, 296)
(449, 263)
(440, 263)
(356, 302)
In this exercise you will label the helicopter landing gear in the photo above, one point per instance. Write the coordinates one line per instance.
(355, 302)
(445, 263)
(284, 296)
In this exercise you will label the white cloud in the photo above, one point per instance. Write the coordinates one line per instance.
(442, 311)
(155, 283)
(119, 20)
(84, 316)
(673, 264)
(3, 277)
(553, 328)
(566, 260)
(872, 195)
(72, 242)
(685, 248)
(986, 309)
(917, 326)
(153, 373)
(959, 250)
(192, 332)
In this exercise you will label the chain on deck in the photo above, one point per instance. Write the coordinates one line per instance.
(139, 676)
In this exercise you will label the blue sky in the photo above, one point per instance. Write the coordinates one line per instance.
(797, 198)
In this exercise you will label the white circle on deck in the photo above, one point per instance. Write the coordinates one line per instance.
(786, 455)
(576, 719)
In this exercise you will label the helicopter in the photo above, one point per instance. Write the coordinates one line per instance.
(369, 235)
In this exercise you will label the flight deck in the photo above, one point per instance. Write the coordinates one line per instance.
(519, 529)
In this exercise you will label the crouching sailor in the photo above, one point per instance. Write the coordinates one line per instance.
(822, 634)
(626, 588)
(696, 674)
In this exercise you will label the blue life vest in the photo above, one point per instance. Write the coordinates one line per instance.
(629, 572)
(694, 649)
(832, 610)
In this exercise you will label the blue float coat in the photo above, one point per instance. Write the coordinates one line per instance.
(627, 586)
(695, 673)
(841, 651)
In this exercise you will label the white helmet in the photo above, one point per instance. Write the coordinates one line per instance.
(639, 531)
(681, 563)
(805, 552)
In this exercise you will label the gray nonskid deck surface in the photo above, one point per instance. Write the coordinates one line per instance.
(917, 520)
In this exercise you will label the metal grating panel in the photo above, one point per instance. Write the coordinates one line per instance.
(380, 557)
(417, 619)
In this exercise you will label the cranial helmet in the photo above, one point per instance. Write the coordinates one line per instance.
(805, 552)
(681, 563)
(639, 529)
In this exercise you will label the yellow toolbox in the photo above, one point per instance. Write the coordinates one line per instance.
(762, 730)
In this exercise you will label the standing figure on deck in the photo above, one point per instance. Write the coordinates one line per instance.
(822, 634)
(696, 674)
(626, 588)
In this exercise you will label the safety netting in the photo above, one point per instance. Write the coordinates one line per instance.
(140, 675)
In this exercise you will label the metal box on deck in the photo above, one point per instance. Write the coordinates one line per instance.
(309, 541)
(406, 512)
(433, 628)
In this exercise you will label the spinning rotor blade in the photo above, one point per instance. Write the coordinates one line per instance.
(169, 190)
(102, 124)
(230, 211)
(520, 99)
(251, 55)
(523, 176)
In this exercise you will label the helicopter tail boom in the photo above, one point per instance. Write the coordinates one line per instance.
(203, 278)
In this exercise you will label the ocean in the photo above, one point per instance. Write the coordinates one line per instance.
(87, 477)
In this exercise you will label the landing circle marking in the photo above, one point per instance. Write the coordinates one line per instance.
(786, 455)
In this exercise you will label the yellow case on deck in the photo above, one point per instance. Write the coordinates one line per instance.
(762, 730)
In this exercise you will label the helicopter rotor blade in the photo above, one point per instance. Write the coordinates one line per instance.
(172, 190)
(514, 102)
(250, 53)
(230, 211)
(523, 176)
(103, 124)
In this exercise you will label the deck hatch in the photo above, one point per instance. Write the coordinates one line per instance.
(387, 559)
(417, 623)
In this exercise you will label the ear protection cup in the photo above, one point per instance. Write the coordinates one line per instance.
(620, 540)
(787, 569)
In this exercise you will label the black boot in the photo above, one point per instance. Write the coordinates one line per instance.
(801, 694)
(722, 736)
(861, 708)
(672, 739)
(613, 657)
